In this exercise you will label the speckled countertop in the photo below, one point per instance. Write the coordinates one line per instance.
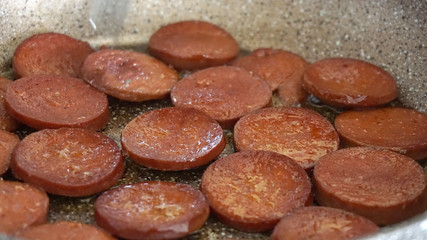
(390, 34)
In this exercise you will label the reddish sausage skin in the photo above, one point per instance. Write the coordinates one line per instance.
(381, 185)
(174, 138)
(224, 93)
(151, 210)
(50, 53)
(298, 133)
(128, 75)
(252, 190)
(351, 83)
(193, 45)
(64, 231)
(68, 161)
(275, 66)
(54, 101)
(322, 223)
(21, 206)
(397, 129)
(7, 122)
(8, 142)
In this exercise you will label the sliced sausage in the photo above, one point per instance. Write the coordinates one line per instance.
(224, 93)
(381, 185)
(173, 138)
(54, 101)
(151, 210)
(128, 75)
(8, 142)
(68, 161)
(193, 45)
(344, 82)
(21, 206)
(64, 230)
(7, 122)
(252, 190)
(322, 223)
(291, 93)
(275, 66)
(50, 53)
(397, 129)
(298, 133)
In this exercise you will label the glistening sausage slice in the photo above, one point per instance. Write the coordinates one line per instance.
(8, 141)
(298, 133)
(252, 190)
(345, 82)
(64, 230)
(21, 206)
(193, 45)
(224, 93)
(173, 138)
(397, 129)
(151, 210)
(55, 101)
(7, 122)
(381, 185)
(68, 161)
(322, 223)
(275, 66)
(128, 75)
(50, 53)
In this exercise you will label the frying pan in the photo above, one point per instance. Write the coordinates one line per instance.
(390, 34)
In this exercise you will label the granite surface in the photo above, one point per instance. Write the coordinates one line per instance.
(390, 34)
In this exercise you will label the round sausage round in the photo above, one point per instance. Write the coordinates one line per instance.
(151, 210)
(8, 142)
(275, 66)
(54, 101)
(381, 185)
(322, 223)
(193, 45)
(252, 190)
(64, 230)
(344, 82)
(397, 129)
(298, 133)
(225, 93)
(50, 54)
(21, 206)
(128, 75)
(173, 138)
(68, 161)
(7, 122)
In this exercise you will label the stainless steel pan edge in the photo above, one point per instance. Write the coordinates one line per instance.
(390, 34)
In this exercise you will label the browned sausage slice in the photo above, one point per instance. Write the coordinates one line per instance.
(397, 129)
(322, 223)
(151, 210)
(7, 122)
(252, 190)
(275, 66)
(291, 93)
(224, 93)
(8, 141)
(345, 82)
(128, 75)
(68, 161)
(381, 185)
(21, 206)
(173, 138)
(50, 53)
(55, 101)
(64, 230)
(193, 45)
(298, 133)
